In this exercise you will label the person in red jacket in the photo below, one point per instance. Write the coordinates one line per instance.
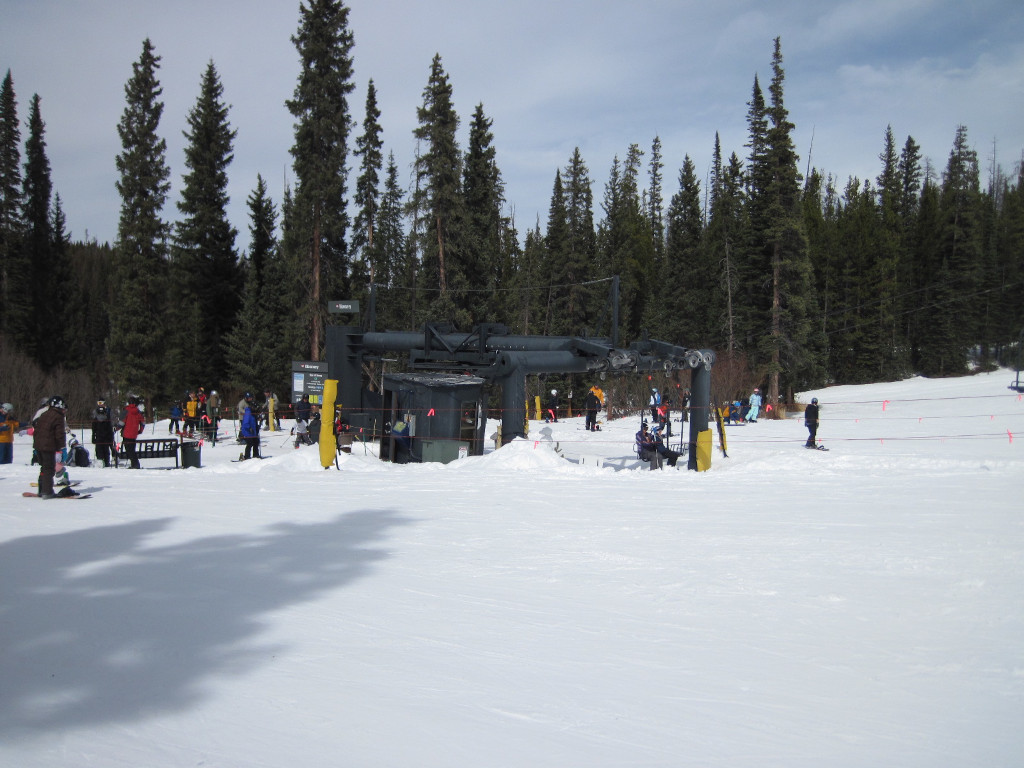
(133, 423)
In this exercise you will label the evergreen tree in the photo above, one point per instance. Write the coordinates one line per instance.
(390, 253)
(689, 299)
(317, 217)
(206, 281)
(557, 267)
(956, 279)
(589, 301)
(727, 236)
(258, 353)
(49, 291)
(625, 244)
(439, 200)
(136, 315)
(15, 270)
(367, 198)
(655, 202)
(790, 358)
(484, 195)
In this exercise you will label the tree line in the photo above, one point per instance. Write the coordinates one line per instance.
(792, 278)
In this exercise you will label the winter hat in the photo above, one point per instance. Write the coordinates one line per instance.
(7, 408)
(554, 391)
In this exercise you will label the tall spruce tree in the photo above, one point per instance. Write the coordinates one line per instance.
(690, 301)
(206, 283)
(49, 292)
(16, 320)
(390, 253)
(317, 218)
(726, 237)
(624, 241)
(556, 268)
(258, 354)
(140, 267)
(440, 204)
(367, 197)
(791, 363)
(484, 194)
(956, 278)
(581, 254)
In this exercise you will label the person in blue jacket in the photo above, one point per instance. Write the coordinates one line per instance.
(250, 431)
(755, 405)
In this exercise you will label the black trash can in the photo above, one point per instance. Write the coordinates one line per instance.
(191, 454)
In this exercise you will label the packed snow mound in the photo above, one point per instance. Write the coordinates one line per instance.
(521, 454)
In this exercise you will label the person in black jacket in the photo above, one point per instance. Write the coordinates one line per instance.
(811, 422)
(592, 403)
(102, 432)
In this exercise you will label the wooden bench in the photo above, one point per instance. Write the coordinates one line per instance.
(152, 449)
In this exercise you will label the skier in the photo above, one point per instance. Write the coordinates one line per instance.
(755, 406)
(811, 422)
(102, 431)
(250, 431)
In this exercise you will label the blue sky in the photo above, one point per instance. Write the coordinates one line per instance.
(552, 75)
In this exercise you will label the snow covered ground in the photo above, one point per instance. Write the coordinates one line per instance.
(789, 608)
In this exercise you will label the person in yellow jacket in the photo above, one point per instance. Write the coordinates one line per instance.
(8, 426)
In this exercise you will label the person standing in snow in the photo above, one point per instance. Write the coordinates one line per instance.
(8, 426)
(592, 404)
(755, 405)
(811, 422)
(552, 408)
(655, 404)
(132, 425)
(48, 437)
(102, 432)
(250, 431)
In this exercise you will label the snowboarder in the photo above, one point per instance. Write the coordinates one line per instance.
(48, 437)
(811, 422)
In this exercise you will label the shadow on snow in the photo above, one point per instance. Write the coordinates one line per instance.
(97, 627)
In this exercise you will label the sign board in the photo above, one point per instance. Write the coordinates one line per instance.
(308, 378)
(348, 307)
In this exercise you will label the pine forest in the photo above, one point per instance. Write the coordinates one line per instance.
(795, 279)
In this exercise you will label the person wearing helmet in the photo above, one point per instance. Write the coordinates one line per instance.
(212, 415)
(655, 403)
(102, 431)
(132, 425)
(48, 437)
(250, 431)
(811, 422)
(8, 426)
(755, 405)
(552, 407)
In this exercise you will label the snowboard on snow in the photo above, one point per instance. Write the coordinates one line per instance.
(61, 495)
(816, 447)
(72, 484)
